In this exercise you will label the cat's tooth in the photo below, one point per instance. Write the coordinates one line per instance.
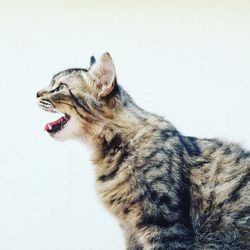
(50, 127)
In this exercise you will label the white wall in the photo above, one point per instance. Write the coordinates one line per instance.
(186, 60)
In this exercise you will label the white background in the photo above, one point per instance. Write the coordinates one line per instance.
(186, 60)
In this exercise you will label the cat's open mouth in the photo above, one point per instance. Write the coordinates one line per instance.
(58, 125)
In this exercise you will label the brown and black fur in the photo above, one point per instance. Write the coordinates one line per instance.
(167, 190)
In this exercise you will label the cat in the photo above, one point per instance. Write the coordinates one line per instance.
(167, 190)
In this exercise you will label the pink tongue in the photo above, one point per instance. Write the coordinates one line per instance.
(49, 125)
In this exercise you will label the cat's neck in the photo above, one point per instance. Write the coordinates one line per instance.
(121, 129)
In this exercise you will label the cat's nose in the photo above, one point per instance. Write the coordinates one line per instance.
(40, 93)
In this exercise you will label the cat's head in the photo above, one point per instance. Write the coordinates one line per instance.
(84, 96)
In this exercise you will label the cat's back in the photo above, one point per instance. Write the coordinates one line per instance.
(220, 195)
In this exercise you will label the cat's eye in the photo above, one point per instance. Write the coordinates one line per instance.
(60, 87)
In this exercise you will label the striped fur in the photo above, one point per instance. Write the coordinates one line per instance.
(167, 190)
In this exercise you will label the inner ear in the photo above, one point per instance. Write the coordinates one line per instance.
(104, 72)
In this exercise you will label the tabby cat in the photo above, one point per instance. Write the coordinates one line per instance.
(167, 190)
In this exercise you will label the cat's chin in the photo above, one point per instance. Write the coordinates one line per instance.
(69, 131)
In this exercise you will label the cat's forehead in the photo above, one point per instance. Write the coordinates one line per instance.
(67, 75)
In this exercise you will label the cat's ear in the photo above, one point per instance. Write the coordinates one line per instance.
(104, 72)
(92, 61)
